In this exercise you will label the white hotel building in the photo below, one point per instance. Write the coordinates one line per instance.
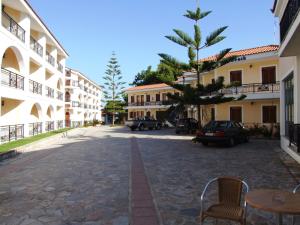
(32, 74)
(82, 99)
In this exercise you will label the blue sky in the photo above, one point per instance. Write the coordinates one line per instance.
(135, 29)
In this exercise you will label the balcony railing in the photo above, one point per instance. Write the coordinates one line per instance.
(60, 67)
(60, 124)
(12, 26)
(49, 92)
(76, 104)
(251, 89)
(85, 89)
(68, 73)
(11, 79)
(60, 95)
(35, 87)
(35, 129)
(294, 135)
(153, 103)
(289, 16)
(35, 46)
(50, 59)
(49, 126)
(11, 133)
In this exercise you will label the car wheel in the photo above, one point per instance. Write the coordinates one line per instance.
(158, 127)
(231, 142)
(204, 143)
(132, 129)
(177, 132)
(141, 128)
(150, 128)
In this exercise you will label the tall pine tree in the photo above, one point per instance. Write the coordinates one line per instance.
(113, 87)
(199, 95)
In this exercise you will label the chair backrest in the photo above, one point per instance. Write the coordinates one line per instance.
(296, 189)
(230, 190)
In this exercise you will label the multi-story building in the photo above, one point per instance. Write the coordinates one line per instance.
(254, 74)
(289, 69)
(32, 73)
(148, 100)
(82, 99)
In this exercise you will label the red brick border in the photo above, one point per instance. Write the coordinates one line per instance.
(143, 210)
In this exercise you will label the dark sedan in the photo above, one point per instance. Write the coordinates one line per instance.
(227, 132)
(187, 125)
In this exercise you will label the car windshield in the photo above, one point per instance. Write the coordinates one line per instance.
(217, 124)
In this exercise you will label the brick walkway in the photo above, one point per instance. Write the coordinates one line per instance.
(143, 210)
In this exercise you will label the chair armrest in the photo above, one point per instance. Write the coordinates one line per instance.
(296, 189)
(205, 190)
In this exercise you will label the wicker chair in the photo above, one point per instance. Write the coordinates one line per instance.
(229, 201)
(295, 191)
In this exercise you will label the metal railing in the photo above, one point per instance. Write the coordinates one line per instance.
(291, 11)
(60, 67)
(49, 92)
(35, 46)
(60, 95)
(35, 87)
(59, 124)
(49, 126)
(35, 129)
(153, 103)
(76, 104)
(11, 133)
(251, 89)
(12, 26)
(50, 59)
(12, 79)
(294, 135)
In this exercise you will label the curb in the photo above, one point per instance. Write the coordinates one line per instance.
(8, 155)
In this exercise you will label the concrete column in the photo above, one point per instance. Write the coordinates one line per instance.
(25, 24)
(42, 42)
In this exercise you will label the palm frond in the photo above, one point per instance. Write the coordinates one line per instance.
(184, 36)
(177, 40)
(214, 37)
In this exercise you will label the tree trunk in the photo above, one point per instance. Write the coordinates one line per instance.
(113, 120)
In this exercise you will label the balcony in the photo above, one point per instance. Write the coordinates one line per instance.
(35, 46)
(76, 104)
(85, 106)
(60, 124)
(68, 73)
(49, 92)
(60, 67)
(251, 89)
(35, 129)
(35, 87)
(12, 26)
(154, 103)
(50, 59)
(68, 99)
(11, 133)
(11, 79)
(289, 16)
(294, 135)
(49, 126)
(60, 95)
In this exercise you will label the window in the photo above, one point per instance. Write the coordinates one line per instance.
(289, 101)
(213, 81)
(164, 96)
(142, 98)
(236, 76)
(147, 98)
(158, 97)
(132, 99)
(236, 114)
(212, 114)
(148, 114)
(131, 115)
(269, 114)
(269, 75)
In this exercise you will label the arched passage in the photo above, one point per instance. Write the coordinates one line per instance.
(67, 96)
(50, 113)
(68, 120)
(59, 85)
(36, 112)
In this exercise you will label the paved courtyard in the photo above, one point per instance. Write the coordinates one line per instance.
(112, 176)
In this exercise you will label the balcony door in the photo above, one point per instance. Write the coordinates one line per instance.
(289, 101)
(236, 114)
(269, 75)
(158, 97)
(147, 98)
(236, 77)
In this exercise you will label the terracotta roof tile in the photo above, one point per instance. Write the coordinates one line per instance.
(146, 87)
(249, 51)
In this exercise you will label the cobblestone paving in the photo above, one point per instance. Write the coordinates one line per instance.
(84, 181)
(178, 171)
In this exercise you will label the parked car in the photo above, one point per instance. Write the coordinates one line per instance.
(187, 125)
(144, 123)
(227, 132)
